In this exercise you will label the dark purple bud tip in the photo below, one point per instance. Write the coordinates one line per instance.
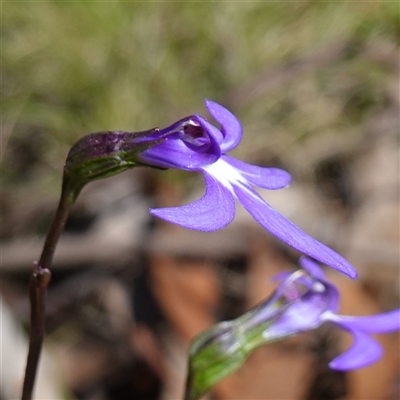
(102, 154)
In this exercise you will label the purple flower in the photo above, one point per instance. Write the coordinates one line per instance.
(193, 144)
(305, 300)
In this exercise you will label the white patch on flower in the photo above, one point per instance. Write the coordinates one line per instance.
(318, 287)
(225, 174)
(330, 316)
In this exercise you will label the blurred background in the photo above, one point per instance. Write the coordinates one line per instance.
(316, 87)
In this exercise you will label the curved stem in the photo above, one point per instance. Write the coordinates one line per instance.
(39, 281)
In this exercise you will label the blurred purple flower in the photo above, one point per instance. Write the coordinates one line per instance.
(305, 300)
(193, 144)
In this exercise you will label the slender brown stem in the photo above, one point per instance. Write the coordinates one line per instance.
(37, 292)
(40, 279)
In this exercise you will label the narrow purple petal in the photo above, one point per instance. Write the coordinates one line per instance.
(302, 303)
(266, 178)
(305, 302)
(213, 132)
(280, 276)
(364, 351)
(285, 230)
(174, 153)
(230, 126)
(380, 323)
(183, 147)
(213, 211)
(174, 128)
(287, 293)
(302, 315)
(312, 267)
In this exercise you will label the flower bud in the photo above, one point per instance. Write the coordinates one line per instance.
(103, 154)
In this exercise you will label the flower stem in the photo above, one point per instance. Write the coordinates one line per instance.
(39, 282)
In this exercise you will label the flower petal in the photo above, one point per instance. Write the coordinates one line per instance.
(281, 276)
(213, 211)
(364, 351)
(380, 323)
(300, 301)
(313, 268)
(303, 303)
(301, 316)
(266, 178)
(174, 153)
(230, 126)
(179, 149)
(285, 230)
